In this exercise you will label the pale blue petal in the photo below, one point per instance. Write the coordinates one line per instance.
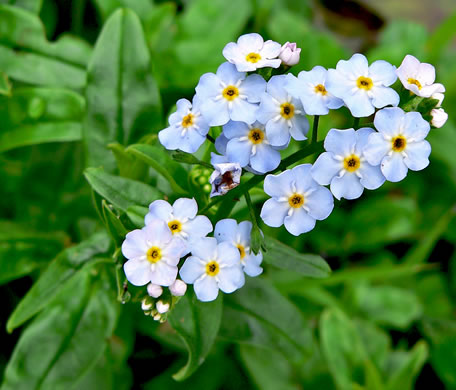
(340, 142)
(205, 248)
(382, 72)
(271, 49)
(198, 227)
(239, 151)
(234, 129)
(232, 53)
(228, 254)
(388, 120)
(192, 270)
(157, 232)
(216, 113)
(252, 42)
(253, 87)
(268, 108)
(362, 139)
(134, 244)
(320, 203)
(417, 155)
(333, 102)
(325, 168)
(377, 147)
(372, 176)
(300, 127)
(359, 104)
(277, 132)
(228, 74)
(185, 208)
(347, 186)
(299, 222)
(170, 137)
(337, 84)
(206, 289)
(252, 264)
(273, 213)
(315, 104)
(356, 66)
(293, 85)
(243, 111)
(220, 146)
(276, 88)
(208, 86)
(415, 127)
(383, 96)
(266, 158)
(183, 107)
(160, 209)
(192, 141)
(244, 229)
(302, 178)
(137, 272)
(163, 274)
(174, 250)
(226, 230)
(393, 167)
(231, 279)
(279, 185)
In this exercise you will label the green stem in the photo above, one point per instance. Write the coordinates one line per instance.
(210, 138)
(315, 128)
(248, 200)
(356, 123)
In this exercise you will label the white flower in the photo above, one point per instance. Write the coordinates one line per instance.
(154, 290)
(181, 219)
(229, 94)
(362, 87)
(212, 267)
(188, 128)
(438, 96)
(249, 145)
(310, 88)
(290, 54)
(344, 166)
(297, 200)
(227, 230)
(418, 77)
(226, 175)
(251, 52)
(145, 306)
(153, 254)
(439, 117)
(178, 288)
(283, 115)
(162, 308)
(399, 145)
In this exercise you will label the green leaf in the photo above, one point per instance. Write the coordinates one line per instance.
(342, 346)
(441, 37)
(67, 338)
(160, 161)
(198, 324)
(388, 305)
(120, 191)
(39, 115)
(443, 356)
(159, 27)
(113, 224)
(127, 165)
(60, 270)
(285, 257)
(26, 55)
(5, 85)
(137, 214)
(122, 96)
(29, 5)
(107, 7)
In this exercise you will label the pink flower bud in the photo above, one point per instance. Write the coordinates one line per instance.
(290, 54)
(439, 117)
(178, 288)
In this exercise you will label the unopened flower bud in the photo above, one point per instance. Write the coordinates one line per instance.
(157, 317)
(290, 54)
(154, 290)
(226, 175)
(439, 117)
(162, 307)
(178, 288)
(438, 96)
(145, 305)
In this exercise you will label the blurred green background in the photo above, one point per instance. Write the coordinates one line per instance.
(384, 318)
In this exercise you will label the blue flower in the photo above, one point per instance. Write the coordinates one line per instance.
(249, 145)
(297, 200)
(362, 87)
(229, 94)
(310, 88)
(282, 114)
(212, 267)
(228, 230)
(187, 130)
(344, 166)
(399, 144)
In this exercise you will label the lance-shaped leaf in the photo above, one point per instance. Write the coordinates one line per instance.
(123, 102)
(29, 5)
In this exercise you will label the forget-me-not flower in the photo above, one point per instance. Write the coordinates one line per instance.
(399, 144)
(362, 87)
(344, 166)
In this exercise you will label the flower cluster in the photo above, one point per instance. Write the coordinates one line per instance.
(252, 108)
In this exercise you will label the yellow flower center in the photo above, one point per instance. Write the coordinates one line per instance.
(364, 83)
(287, 110)
(253, 57)
(212, 268)
(187, 120)
(414, 81)
(230, 93)
(296, 201)
(399, 143)
(175, 226)
(154, 254)
(256, 136)
(352, 163)
(320, 88)
(241, 250)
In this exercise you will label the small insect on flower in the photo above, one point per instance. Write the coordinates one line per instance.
(297, 200)
(282, 115)
(153, 254)
(181, 219)
(226, 175)
(212, 267)
(418, 77)
(249, 145)
(290, 54)
(228, 230)
(229, 94)
(362, 87)
(344, 166)
(399, 144)
(188, 128)
(310, 88)
(251, 52)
